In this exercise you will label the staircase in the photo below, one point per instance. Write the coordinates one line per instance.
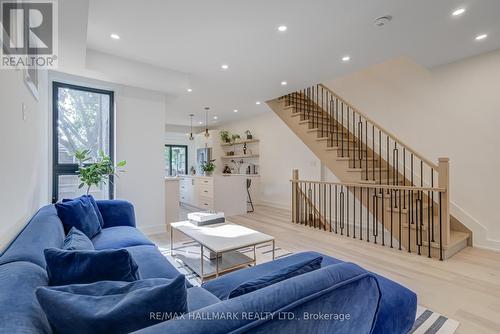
(387, 194)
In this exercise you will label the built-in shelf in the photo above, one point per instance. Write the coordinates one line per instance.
(240, 156)
(241, 142)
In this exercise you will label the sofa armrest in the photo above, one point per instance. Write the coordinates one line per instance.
(116, 213)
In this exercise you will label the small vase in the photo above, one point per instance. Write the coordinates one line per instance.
(207, 173)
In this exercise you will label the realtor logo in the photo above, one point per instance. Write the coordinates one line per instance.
(29, 34)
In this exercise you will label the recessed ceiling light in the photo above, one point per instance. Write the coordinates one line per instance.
(189, 90)
(235, 110)
(224, 66)
(215, 117)
(458, 12)
(481, 37)
(200, 122)
(346, 58)
(282, 28)
(284, 83)
(115, 36)
(257, 103)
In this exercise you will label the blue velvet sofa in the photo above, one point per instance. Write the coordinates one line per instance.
(337, 298)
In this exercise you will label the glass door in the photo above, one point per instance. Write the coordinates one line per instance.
(176, 160)
(82, 119)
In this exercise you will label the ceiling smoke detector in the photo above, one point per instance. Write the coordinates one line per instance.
(383, 20)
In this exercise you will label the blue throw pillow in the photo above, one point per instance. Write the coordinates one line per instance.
(277, 276)
(113, 307)
(87, 266)
(94, 205)
(77, 240)
(81, 214)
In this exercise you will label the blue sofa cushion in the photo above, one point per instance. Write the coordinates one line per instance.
(398, 305)
(222, 286)
(80, 267)
(120, 237)
(198, 298)
(19, 308)
(116, 213)
(43, 230)
(279, 275)
(112, 307)
(77, 240)
(152, 264)
(81, 214)
(343, 289)
(94, 205)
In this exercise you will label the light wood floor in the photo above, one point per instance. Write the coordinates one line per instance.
(465, 287)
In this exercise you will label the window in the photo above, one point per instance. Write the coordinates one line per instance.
(176, 159)
(82, 118)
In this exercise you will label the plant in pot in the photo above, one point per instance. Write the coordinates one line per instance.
(225, 136)
(95, 173)
(208, 167)
(235, 137)
(249, 135)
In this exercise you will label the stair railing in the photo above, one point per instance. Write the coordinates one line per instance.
(396, 216)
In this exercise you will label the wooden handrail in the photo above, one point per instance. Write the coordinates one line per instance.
(388, 133)
(373, 186)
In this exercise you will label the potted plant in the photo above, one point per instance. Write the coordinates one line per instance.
(225, 136)
(92, 174)
(249, 134)
(208, 167)
(235, 137)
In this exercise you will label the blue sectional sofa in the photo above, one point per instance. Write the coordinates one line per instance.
(337, 298)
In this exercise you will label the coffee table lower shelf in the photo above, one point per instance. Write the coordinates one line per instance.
(227, 262)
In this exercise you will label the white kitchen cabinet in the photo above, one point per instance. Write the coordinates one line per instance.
(217, 193)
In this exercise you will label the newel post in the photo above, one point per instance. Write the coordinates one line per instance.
(295, 178)
(444, 182)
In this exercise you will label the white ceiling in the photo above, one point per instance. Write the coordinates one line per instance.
(198, 36)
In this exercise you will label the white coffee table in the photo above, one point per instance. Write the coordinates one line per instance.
(223, 240)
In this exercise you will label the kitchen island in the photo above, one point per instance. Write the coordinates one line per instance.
(226, 193)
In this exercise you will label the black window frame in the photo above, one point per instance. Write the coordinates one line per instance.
(71, 169)
(170, 146)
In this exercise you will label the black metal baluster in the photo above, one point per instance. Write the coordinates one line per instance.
(336, 210)
(373, 152)
(347, 211)
(404, 176)
(360, 213)
(324, 206)
(388, 163)
(330, 206)
(379, 158)
(360, 142)
(354, 138)
(341, 210)
(432, 203)
(314, 204)
(375, 215)
(354, 213)
(342, 128)
(337, 121)
(383, 216)
(367, 214)
(408, 225)
(366, 148)
(348, 134)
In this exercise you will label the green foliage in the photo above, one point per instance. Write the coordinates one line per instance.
(235, 137)
(92, 174)
(225, 136)
(208, 166)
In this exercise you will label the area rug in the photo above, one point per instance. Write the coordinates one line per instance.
(426, 322)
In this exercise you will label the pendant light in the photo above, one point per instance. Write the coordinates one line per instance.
(206, 122)
(191, 137)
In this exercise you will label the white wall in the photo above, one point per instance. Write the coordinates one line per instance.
(280, 151)
(23, 153)
(140, 125)
(449, 111)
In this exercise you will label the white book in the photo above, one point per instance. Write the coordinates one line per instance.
(204, 216)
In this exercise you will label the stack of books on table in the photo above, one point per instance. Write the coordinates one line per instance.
(206, 218)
